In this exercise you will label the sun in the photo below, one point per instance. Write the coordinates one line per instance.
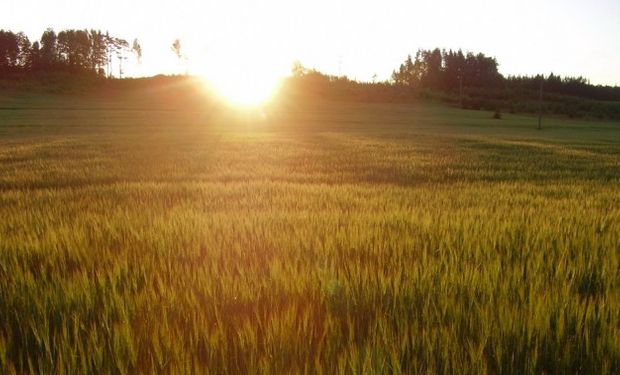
(243, 81)
(243, 87)
(248, 60)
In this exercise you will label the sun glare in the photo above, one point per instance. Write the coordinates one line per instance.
(243, 82)
(244, 90)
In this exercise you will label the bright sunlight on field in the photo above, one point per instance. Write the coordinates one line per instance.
(323, 238)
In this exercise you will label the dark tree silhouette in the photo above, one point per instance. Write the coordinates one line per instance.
(75, 51)
(176, 48)
(98, 52)
(443, 70)
(49, 49)
(137, 50)
(9, 51)
(33, 61)
(74, 47)
(23, 44)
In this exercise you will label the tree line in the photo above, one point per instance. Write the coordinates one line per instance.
(471, 80)
(454, 70)
(88, 51)
(447, 70)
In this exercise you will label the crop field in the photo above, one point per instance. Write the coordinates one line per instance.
(317, 238)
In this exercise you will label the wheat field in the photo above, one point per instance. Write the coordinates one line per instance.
(316, 238)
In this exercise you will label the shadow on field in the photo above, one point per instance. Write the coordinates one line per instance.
(536, 160)
(316, 143)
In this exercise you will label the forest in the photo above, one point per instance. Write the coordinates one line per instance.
(474, 82)
(76, 51)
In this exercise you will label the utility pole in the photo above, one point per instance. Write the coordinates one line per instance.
(120, 66)
(109, 54)
(540, 102)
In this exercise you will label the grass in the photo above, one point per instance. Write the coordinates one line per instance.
(313, 238)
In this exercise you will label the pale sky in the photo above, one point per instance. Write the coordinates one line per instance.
(352, 37)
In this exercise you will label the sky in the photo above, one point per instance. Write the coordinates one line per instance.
(356, 38)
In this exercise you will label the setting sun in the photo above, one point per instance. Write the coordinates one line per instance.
(245, 67)
(244, 88)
